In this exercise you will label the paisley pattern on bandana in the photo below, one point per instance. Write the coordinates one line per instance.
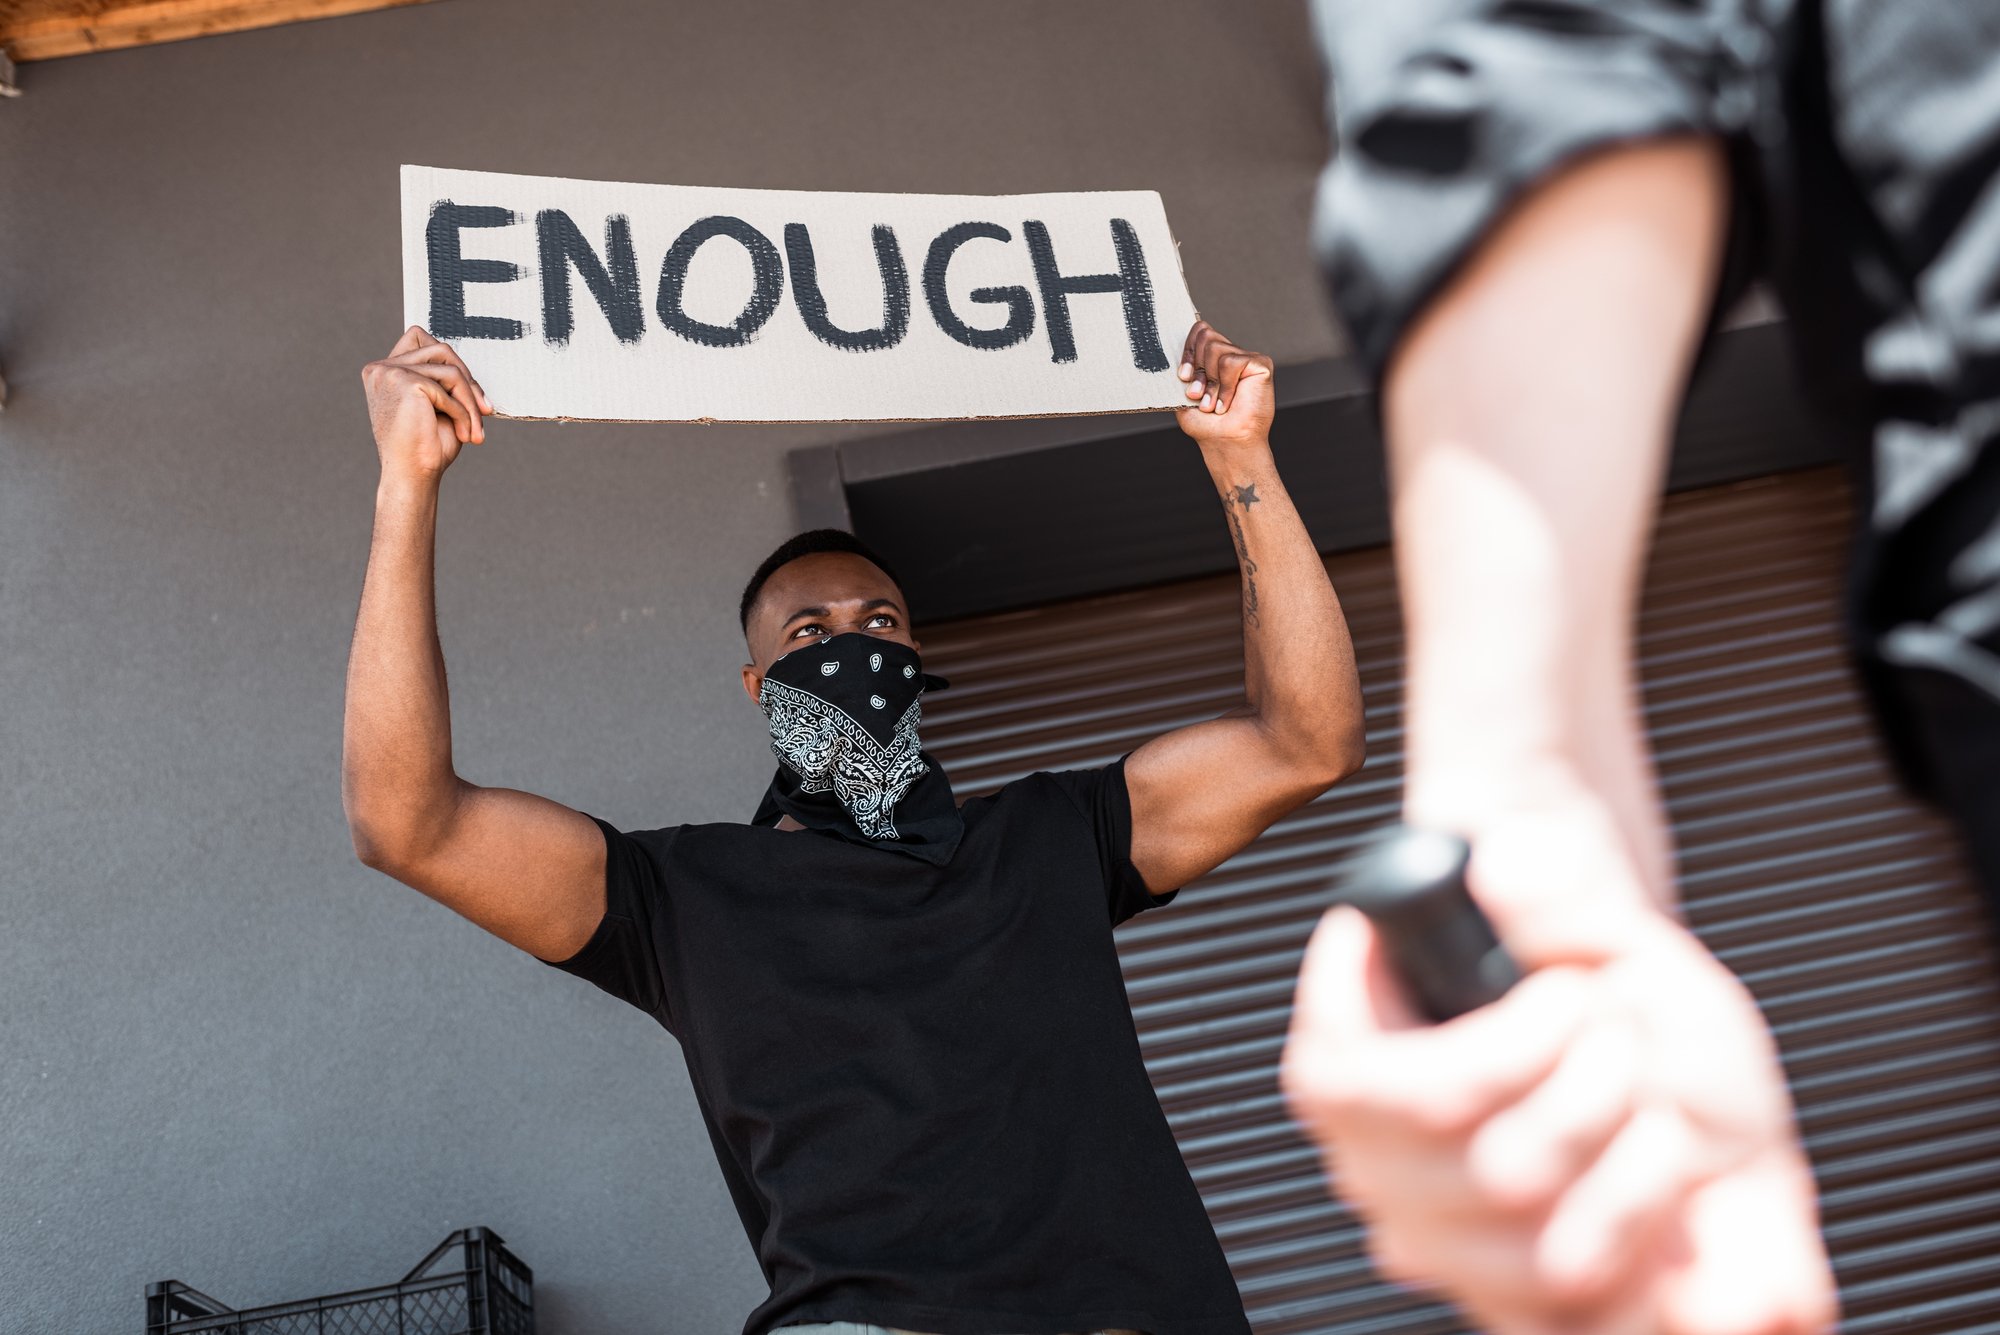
(844, 725)
(831, 752)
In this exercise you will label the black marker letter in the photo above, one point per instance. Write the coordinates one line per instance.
(1020, 306)
(1130, 281)
(812, 302)
(451, 271)
(767, 275)
(617, 291)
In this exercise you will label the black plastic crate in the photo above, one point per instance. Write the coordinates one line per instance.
(470, 1284)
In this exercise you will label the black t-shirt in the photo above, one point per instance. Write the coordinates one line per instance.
(923, 1083)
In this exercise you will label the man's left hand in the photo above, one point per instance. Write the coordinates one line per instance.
(1229, 390)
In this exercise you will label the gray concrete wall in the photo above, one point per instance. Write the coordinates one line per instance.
(230, 1054)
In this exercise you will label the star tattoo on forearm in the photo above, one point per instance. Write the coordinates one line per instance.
(1243, 498)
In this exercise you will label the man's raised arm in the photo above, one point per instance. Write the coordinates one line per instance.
(1201, 793)
(529, 870)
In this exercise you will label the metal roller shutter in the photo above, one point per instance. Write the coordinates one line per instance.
(1802, 866)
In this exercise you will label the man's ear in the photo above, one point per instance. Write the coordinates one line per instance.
(753, 681)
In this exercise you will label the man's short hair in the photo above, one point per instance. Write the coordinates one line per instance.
(809, 543)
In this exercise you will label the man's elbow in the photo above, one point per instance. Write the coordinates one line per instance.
(1353, 755)
(1331, 758)
(1341, 757)
(375, 846)
(1317, 756)
(390, 844)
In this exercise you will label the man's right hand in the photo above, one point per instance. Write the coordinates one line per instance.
(424, 406)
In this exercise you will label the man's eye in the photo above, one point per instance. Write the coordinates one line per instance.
(811, 628)
(882, 619)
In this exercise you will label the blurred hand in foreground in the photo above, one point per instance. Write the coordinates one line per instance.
(1607, 1149)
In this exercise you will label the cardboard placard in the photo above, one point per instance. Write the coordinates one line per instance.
(657, 303)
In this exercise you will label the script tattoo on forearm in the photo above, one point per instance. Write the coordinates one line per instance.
(1234, 499)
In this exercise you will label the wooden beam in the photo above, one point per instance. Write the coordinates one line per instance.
(44, 29)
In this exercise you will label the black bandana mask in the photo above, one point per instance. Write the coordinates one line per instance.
(844, 718)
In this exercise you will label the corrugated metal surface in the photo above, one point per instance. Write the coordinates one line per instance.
(1828, 892)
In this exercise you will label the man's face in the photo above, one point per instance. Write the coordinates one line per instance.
(818, 596)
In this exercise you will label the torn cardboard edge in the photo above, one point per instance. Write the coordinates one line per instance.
(850, 421)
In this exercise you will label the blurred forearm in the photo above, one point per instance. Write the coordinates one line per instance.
(1529, 414)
